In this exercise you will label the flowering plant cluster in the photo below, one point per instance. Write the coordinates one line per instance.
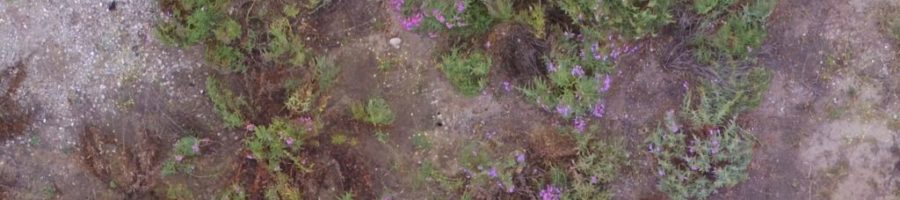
(186, 147)
(634, 19)
(695, 160)
(278, 142)
(577, 76)
(432, 16)
(598, 164)
(488, 171)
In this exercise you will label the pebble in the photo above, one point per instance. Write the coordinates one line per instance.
(395, 42)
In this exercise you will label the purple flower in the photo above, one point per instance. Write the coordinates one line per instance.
(438, 15)
(460, 6)
(520, 158)
(179, 157)
(511, 189)
(506, 86)
(490, 135)
(289, 141)
(551, 67)
(397, 4)
(599, 110)
(577, 71)
(412, 22)
(660, 172)
(563, 110)
(550, 193)
(579, 124)
(607, 81)
(196, 147)
(493, 172)
(594, 180)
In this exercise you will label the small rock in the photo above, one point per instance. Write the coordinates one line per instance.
(395, 42)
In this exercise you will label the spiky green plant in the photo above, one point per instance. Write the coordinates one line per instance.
(635, 19)
(376, 112)
(226, 103)
(466, 71)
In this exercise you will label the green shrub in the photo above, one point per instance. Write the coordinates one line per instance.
(634, 19)
(598, 164)
(376, 112)
(711, 7)
(468, 73)
(694, 163)
(710, 151)
(227, 104)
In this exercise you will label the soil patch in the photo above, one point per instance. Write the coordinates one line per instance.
(14, 119)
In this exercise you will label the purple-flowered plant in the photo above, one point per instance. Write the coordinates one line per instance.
(599, 110)
(563, 110)
(577, 71)
(550, 193)
(580, 124)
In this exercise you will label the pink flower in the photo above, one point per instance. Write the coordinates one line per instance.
(506, 86)
(289, 141)
(250, 127)
(179, 157)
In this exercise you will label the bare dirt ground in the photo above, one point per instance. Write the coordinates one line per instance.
(92, 103)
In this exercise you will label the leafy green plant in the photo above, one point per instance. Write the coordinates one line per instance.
(226, 103)
(467, 72)
(277, 143)
(635, 19)
(193, 21)
(376, 112)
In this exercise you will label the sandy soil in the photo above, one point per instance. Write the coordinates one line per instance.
(102, 100)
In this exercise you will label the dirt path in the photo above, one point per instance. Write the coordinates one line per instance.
(90, 67)
(98, 102)
(827, 128)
